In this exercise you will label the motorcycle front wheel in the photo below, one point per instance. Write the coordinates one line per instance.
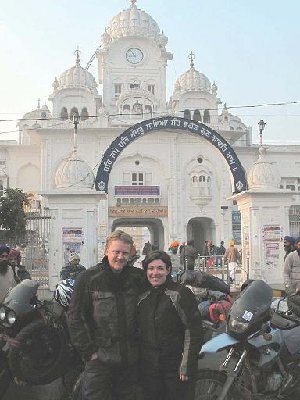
(42, 355)
(209, 385)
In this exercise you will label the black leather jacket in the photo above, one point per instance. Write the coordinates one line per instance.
(102, 314)
(170, 328)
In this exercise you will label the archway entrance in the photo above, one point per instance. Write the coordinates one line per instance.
(200, 229)
(181, 125)
(142, 230)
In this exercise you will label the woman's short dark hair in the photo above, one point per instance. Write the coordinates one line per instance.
(157, 255)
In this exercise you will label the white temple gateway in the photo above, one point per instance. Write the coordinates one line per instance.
(184, 167)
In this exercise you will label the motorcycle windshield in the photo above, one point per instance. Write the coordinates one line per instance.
(253, 304)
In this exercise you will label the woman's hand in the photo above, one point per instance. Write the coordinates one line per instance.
(183, 377)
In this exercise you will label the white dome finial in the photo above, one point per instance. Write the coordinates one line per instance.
(192, 57)
(77, 54)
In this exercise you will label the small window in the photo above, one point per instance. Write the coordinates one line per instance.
(137, 179)
(137, 108)
(197, 116)
(84, 114)
(151, 89)
(206, 117)
(134, 86)
(187, 114)
(194, 179)
(202, 178)
(73, 112)
(148, 109)
(118, 89)
(291, 187)
(126, 109)
(64, 114)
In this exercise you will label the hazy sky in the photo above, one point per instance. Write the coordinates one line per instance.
(249, 48)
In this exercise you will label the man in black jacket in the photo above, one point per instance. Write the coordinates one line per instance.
(170, 333)
(103, 324)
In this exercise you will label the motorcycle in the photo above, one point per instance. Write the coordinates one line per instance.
(37, 348)
(213, 296)
(258, 364)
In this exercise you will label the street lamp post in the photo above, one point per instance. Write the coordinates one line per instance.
(261, 126)
(75, 122)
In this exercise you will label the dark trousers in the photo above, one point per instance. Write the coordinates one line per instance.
(100, 381)
(166, 385)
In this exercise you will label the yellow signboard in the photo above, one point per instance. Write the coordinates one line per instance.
(139, 211)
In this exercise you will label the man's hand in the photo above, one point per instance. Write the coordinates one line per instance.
(94, 356)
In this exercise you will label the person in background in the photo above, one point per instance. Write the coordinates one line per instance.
(220, 251)
(133, 256)
(7, 277)
(14, 260)
(291, 270)
(147, 248)
(170, 333)
(289, 245)
(231, 256)
(188, 255)
(103, 325)
(73, 269)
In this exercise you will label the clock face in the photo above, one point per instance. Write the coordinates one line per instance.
(134, 55)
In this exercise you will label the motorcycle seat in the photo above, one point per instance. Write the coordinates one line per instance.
(283, 321)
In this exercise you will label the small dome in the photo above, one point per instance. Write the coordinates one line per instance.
(75, 77)
(73, 172)
(192, 80)
(38, 113)
(263, 175)
(133, 22)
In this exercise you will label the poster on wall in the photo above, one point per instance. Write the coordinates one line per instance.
(272, 237)
(72, 239)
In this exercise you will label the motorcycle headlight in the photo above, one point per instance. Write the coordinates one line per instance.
(11, 317)
(2, 313)
(237, 326)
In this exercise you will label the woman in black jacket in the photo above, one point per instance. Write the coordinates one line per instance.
(170, 333)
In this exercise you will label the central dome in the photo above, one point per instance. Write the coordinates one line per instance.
(192, 80)
(133, 22)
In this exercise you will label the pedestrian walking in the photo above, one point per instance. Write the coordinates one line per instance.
(232, 256)
(103, 324)
(170, 333)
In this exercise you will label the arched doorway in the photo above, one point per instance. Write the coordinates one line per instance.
(200, 229)
(153, 230)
